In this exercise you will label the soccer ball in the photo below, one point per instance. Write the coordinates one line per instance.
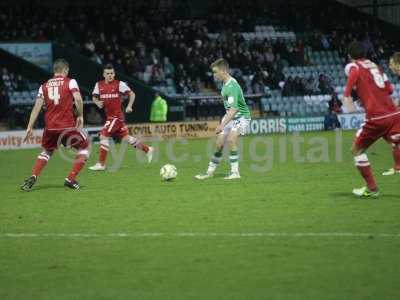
(168, 172)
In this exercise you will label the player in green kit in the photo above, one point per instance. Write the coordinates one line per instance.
(233, 124)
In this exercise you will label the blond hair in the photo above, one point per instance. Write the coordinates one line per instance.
(60, 65)
(220, 63)
(394, 63)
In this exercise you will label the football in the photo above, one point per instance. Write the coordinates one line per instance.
(168, 172)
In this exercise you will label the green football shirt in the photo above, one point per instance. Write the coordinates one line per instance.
(232, 95)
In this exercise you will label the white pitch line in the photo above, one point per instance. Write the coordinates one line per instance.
(201, 235)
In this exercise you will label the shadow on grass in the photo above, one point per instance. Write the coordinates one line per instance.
(220, 175)
(40, 187)
(350, 196)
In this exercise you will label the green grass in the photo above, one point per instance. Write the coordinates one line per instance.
(291, 198)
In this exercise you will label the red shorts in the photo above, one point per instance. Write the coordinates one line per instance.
(115, 127)
(73, 138)
(374, 129)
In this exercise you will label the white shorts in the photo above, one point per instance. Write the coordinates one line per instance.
(240, 125)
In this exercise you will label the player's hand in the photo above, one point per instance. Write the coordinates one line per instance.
(395, 67)
(28, 134)
(99, 104)
(348, 103)
(219, 129)
(128, 110)
(79, 122)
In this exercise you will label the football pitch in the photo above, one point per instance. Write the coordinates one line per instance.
(289, 229)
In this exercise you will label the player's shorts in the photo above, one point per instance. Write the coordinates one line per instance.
(114, 127)
(72, 138)
(387, 127)
(240, 125)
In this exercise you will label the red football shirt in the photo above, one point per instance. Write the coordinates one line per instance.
(111, 95)
(372, 86)
(57, 94)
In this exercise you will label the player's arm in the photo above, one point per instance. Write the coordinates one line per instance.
(353, 74)
(394, 63)
(230, 114)
(124, 89)
(97, 101)
(96, 96)
(132, 97)
(76, 94)
(165, 107)
(388, 85)
(34, 115)
(79, 108)
(348, 103)
(153, 111)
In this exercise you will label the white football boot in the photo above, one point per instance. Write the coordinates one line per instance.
(149, 154)
(98, 167)
(204, 176)
(365, 192)
(232, 176)
(390, 172)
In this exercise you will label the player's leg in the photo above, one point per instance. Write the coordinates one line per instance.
(365, 137)
(108, 131)
(393, 137)
(77, 140)
(49, 144)
(41, 162)
(239, 127)
(216, 158)
(137, 143)
(396, 157)
(364, 167)
(233, 154)
(103, 151)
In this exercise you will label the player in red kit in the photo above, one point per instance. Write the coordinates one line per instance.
(382, 116)
(107, 94)
(61, 127)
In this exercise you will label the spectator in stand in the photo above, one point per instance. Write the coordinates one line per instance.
(168, 68)
(6, 80)
(147, 41)
(331, 118)
(4, 102)
(21, 84)
(335, 105)
(298, 87)
(310, 86)
(288, 88)
(324, 85)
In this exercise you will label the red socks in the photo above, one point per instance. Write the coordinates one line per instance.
(102, 156)
(366, 173)
(104, 148)
(138, 144)
(40, 163)
(142, 147)
(396, 157)
(364, 167)
(79, 162)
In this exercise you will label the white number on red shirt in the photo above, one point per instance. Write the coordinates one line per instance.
(379, 78)
(54, 94)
